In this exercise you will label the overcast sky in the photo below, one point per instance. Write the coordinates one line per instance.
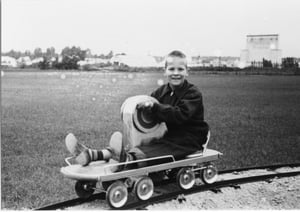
(198, 27)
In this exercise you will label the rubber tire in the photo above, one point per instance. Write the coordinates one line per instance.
(117, 188)
(209, 175)
(181, 178)
(138, 188)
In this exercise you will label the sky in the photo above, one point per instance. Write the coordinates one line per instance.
(154, 27)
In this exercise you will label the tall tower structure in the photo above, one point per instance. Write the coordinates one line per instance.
(261, 47)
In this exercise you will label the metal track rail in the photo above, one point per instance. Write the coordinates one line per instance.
(72, 202)
(172, 195)
(216, 186)
(267, 167)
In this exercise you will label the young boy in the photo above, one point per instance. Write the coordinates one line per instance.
(180, 107)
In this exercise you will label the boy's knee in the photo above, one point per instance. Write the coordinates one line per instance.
(138, 155)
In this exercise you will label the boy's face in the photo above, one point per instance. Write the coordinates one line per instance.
(176, 70)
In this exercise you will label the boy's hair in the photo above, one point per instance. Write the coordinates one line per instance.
(175, 53)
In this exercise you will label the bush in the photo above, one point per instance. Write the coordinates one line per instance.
(267, 63)
(44, 64)
(289, 62)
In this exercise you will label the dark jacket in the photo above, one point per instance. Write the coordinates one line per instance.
(182, 111)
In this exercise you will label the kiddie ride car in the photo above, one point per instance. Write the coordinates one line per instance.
(140, 128)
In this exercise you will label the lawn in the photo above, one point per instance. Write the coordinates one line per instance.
(254, 121)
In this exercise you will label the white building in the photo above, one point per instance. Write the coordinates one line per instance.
(261, 47)
(92, 61)
(8, 61)
(134, 60)
(25, 60)
(37, 60)
(194, 61)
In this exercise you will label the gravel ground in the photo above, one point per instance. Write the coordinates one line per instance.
(278, 193)
(282, 193)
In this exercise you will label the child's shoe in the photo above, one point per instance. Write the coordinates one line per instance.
(73, 146)
(116, 146)
(84, 158)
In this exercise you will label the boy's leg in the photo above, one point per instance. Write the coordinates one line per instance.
(83, 154)
(137, 154)
(116, 146)
(89, 155)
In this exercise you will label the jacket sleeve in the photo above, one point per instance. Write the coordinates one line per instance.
(180, 113)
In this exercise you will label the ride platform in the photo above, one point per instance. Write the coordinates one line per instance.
(105, 171)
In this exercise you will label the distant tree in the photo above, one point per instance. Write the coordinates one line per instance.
(55, 64)
(88, 53)
(102, 56)
(267, 63)
(28, 53)
(13, 53)
(50, 53)
(37, 52)
(74, 52)
(70, 57)
(289, 62)
(70, 62)
(110, 55)
(45, 64)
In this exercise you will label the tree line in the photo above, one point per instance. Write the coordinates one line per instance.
(67, 59)
(287, 62)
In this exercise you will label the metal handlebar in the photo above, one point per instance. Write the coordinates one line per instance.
(67, 160)
(138, 161)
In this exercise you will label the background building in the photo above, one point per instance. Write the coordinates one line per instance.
(134, 60)
(261, 47)
(8, 61)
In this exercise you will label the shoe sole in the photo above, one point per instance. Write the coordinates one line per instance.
(73, 146)
(117, 145)
(71, 143)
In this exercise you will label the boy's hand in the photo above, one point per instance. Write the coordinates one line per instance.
(145, 105)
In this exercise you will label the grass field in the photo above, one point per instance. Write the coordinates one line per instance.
(254, 121)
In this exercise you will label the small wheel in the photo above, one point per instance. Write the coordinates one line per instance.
(117, 195)
(209, 175)
(144, 188)
(185, 178)
(85, 189)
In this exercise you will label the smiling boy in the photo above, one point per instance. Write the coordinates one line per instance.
(180, 107)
